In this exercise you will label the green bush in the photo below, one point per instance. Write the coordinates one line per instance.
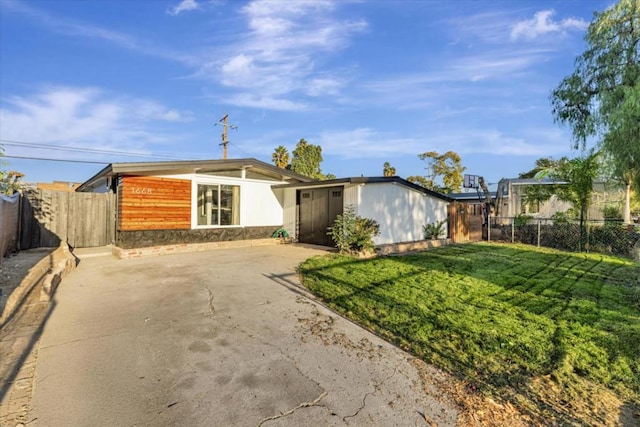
(434, 230)
(612, 214)
(352, 233)
(561, 217)
(521, 220)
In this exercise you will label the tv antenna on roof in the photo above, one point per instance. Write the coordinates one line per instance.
(225, 141)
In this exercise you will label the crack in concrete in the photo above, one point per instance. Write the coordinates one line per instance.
(94, 337)
(291, 411)
(212, 309)
(364, 403)
(376, 388)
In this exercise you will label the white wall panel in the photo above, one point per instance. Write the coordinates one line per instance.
(259, 205)
(400, 211)
(352, 196)
(288, 201)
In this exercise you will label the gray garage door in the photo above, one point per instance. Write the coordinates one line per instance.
(319, 208)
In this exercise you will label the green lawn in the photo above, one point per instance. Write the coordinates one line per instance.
(498, 315)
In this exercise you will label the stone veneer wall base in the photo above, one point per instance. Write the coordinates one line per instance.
(193, 247)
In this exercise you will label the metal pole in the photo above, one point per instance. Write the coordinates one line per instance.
(513, 230)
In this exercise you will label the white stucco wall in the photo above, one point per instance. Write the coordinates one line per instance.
(259, 205)
(287, 198)
(400, 211)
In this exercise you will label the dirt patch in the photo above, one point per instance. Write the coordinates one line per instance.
(546, 404)
(321, 326)
(15, 268)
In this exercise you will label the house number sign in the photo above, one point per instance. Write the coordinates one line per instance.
(140, 190)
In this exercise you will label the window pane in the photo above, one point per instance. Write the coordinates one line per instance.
(230, 205)
(207, 204)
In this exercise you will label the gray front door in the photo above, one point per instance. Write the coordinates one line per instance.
(319, 208)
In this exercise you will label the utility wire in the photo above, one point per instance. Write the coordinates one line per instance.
(56, 160)
(80, 149)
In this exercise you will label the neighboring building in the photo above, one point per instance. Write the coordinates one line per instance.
(604, 194)
(58, 186)
(164, 203)
(514, 202)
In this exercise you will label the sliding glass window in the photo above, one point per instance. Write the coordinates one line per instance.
(218, 204)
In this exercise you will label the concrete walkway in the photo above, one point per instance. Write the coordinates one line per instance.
(218, 338)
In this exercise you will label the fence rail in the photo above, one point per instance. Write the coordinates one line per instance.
(606, 236)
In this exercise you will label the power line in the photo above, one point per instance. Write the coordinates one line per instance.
(56, 160)
(80, 149)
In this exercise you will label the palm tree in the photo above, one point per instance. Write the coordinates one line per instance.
(579, 174)
(280, 157)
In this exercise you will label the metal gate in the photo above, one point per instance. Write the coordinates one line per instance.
(318, 209)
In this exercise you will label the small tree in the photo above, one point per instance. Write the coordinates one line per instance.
(388, 170)
(306, 159)
(353, 234)
(10, 181)
(579, 173)
(446, 167)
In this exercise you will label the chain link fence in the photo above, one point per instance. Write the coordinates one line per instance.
(606, 236)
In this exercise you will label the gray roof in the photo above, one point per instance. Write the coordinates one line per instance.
(188, 166)
(471, 196)
(366, 180)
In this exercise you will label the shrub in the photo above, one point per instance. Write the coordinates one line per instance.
(434, 230)
(352, 233)
(522, 220)
(560, 217)
(612, 214)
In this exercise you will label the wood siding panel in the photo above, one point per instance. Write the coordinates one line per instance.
(152, 203)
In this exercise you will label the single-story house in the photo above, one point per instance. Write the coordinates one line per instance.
(166, 203)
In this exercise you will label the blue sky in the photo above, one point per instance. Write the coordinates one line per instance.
(370, 81)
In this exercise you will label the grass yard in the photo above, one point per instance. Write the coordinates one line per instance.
(546, 329)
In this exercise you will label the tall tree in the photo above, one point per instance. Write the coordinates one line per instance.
(306, 160)
(445, 171)
(601, 98)
(280, 157)
(388, 170)
(420, 180)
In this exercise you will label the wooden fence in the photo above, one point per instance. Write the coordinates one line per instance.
(81, 219)
(9, 214)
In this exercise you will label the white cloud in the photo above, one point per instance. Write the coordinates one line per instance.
(542, 23)
(265, 102)
(371, 143)
(183, 6)
(86, 117)
(279, 56)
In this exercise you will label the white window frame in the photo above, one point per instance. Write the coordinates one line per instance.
(213, 180)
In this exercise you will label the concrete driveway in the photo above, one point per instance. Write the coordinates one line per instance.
(218, 338)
